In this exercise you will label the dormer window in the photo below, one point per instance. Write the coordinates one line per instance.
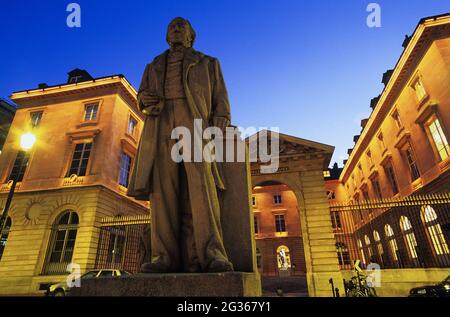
(75, 79)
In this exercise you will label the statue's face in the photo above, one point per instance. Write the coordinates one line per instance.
(178, 33)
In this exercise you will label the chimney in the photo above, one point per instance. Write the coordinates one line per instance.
(374, 101)
(364, 123)
(386, 76)
(356, 138)
(406, 41)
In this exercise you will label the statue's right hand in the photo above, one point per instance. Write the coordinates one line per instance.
(149, 100)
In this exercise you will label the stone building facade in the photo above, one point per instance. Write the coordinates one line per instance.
(87, 132)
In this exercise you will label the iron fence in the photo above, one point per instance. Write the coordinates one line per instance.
(412, 232)
(124, 243)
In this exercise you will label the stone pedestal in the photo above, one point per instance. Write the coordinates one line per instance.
(233, 284)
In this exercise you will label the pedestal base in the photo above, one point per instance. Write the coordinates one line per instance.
(232, 284)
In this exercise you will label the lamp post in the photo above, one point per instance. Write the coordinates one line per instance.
(27, 141)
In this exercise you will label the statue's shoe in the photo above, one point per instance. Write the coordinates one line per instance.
(154, 267)
(219, 266)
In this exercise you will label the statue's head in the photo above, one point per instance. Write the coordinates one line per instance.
(180, 32)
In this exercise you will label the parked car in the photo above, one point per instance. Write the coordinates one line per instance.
(439, 290)
(61, 289)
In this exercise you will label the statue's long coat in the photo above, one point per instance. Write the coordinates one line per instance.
(206, 96)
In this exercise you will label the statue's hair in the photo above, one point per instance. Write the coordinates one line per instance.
(191, 29)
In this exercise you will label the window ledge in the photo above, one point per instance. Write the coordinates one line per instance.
(131, 137)
(445, 164)
(400, 131)
(422, 101)
(417, 184)
(87, 123)
(402, 139)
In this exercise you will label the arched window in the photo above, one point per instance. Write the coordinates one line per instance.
(409, 236)
(4, 236)
(62, 243)
(258, 258)
(343, 254)
(379, 246)
(391, 241)
(369, 248)
(361, 251)
(429, 217)
(283, 258)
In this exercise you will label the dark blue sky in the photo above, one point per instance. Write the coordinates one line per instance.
(308, 67)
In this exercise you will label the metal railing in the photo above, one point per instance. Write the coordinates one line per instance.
(124, 243)
(411, 232)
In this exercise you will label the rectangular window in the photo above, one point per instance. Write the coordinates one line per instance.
(35, 118)
(397, 120)
(439, 139)
(20, 166)
(125, 166)
(90, 112)
(412, 163)
(132, 123)
(420, 90)
(280, 224)
(336, 220)
(277, 199)
(256, 224)
(254, 201)
(377, 188)
(369, 158)
(381, 143)
(80, 159)
(365, 194)
(391, 177)
(361, 173)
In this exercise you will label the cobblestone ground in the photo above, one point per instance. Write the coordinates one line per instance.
(292, 286)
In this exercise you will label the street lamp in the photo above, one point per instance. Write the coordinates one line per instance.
(27, 141)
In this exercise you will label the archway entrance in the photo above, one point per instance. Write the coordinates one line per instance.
(279, 243)
(300, 174)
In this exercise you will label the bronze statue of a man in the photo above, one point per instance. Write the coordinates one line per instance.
(177, 87)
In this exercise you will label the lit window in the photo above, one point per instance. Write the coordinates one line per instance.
(376, 237)
(439, 139)
(20, 166)
(4, 236)
(369, 249)
(132, 123)
(35, 118)
(391, 177)
(420, 90)
(396, 117)
(326, 174)
(80, 159)
(90, 113)
(283, 258)
(277, 199)
(343, 254)
(412, 163)
(409, 236)
(429, 217)
(361, 250)
(125, 165)
(392, 242)
(280, 224)
(62, 243)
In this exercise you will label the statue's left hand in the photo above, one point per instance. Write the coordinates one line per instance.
(221, 122)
